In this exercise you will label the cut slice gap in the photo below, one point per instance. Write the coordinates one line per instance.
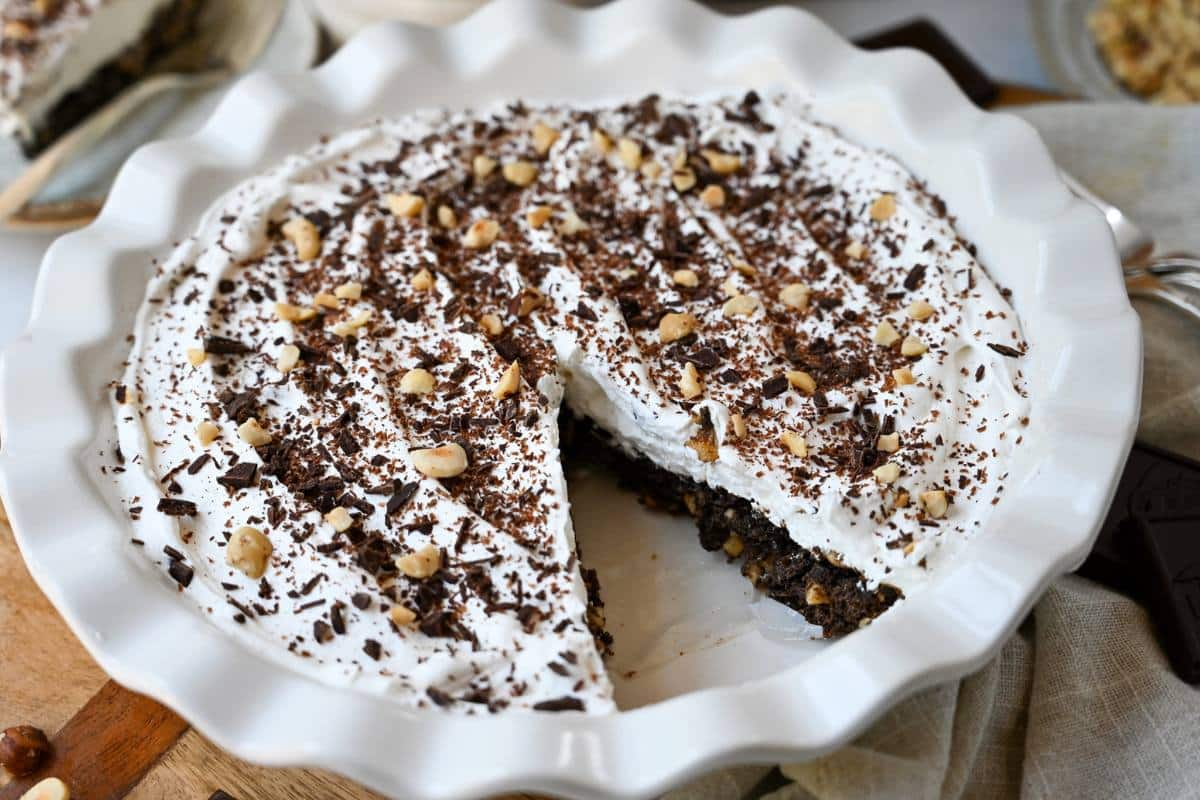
(827, 595)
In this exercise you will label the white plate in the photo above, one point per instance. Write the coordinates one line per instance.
(762, 697)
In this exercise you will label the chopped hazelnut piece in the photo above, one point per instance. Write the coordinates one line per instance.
(423, 280)
(815, 595)
(795, 443)
(544, 138)
(207, 433)
(249, 551)
(913, 346)
(737, 424)
(887, 473)
(491, 325)
(18, 30)
(446, 217)
(909, 548)
(744, 267)
(856, 250)
(713, 196)
(350, 290)
(571, 224)
(795, 295)
(47, 788)
(689, 382)
(888, 443)
(721, 163)
(519, 173)
(417, 381)
(729, 288)
(302, 233)
(482, 166)
(422, 563)
(402, 616)
(902, 499)
(289, 358)
(885, 334)
(444, 461)
(481, 233)
(883, 207)
(935, 503)
(683, 179)
(733, 546)
(903, 377)
(406, 205)
(538, 216)
(740, 306)
(673, 327)
(196, 356)
(353, 326)
(802, 380)
(651, 169)
(340, 519)
(686, 277)
(326, 300)
(628, 274)
(704, 444)
(253, 434)
(630, 153)
(601, 141)
(531, 299)
(509, 383)
(919, 310)
(290, 313)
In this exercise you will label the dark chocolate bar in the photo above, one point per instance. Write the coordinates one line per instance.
(924, 35)
(1169, 562)
(1149, 545)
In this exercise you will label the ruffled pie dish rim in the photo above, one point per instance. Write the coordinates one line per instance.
(1052, 250)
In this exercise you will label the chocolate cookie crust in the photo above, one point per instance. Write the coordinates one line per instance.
(830, 596)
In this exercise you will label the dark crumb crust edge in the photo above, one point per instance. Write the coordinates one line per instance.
(833, 597)
(169, 28)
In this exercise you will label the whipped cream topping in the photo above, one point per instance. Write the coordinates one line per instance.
(706, 281)
(49, 47)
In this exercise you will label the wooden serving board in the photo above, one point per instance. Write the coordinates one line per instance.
(111, 743)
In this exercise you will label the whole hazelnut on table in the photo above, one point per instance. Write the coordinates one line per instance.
(23, 748)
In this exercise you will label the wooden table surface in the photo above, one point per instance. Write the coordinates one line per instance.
(110, 743)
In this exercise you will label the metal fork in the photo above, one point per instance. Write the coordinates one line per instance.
(1146, 275)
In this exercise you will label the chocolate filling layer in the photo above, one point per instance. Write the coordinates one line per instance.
(828, 595)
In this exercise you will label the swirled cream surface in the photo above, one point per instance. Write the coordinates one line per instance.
(338, 422)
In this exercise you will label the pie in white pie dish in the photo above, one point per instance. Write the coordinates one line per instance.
(1031, 236)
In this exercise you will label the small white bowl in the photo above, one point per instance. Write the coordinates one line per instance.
(1052, 250)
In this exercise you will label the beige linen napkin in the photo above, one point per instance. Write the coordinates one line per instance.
(1081, 702)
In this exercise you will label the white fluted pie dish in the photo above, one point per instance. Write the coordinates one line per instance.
(688, 713)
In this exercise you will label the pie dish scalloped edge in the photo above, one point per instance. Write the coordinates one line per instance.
(1051, 249)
